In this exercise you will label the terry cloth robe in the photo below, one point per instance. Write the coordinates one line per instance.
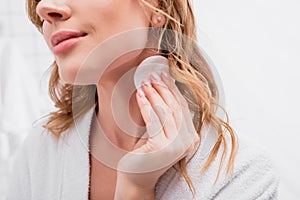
(48, 170)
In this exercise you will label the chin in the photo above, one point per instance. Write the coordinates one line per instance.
(67, 72)
(73, 71)
(67, 77)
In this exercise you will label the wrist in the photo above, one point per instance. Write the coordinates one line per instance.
(133, 194)
(127, 191)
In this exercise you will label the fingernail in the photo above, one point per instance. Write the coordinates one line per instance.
(146, 83)
(155, 76)
(141, 92)
(165, 74)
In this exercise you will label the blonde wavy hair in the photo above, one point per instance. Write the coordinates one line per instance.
(187, 66)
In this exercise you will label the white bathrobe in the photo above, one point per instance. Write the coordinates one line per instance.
(48, 170)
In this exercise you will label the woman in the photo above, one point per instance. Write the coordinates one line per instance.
(178, 148)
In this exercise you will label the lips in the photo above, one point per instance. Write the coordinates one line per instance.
(62, 36)
(63, 41)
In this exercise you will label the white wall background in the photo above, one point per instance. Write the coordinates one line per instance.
(23, 87)
(255, 46)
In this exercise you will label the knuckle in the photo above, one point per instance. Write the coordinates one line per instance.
(189, 149)
(168, 111)
(152, 91)
(167, 122)
(144, 105)
(175, 107)
(161, 85)
(184, 102)
(171, 84)
(197, 140)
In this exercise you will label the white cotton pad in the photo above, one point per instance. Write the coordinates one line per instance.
(151, 64)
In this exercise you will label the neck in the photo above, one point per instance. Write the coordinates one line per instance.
(118, 113)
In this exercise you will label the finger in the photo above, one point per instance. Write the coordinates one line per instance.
(187, 124)
(190, 135)
(163, 112)
(153, 126)
(168, 98)
(185, 118)
(173, 88)
(177, 94)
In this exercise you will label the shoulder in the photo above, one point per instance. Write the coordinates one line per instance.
(39, 151)
(39, 144)
(38, 136)
(253, 176)
(252, 155)
(41, 141)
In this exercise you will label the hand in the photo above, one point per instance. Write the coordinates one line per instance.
(170, 136)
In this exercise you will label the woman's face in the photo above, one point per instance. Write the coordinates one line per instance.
(73, 28)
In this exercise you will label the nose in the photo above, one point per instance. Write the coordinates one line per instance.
(53, 10)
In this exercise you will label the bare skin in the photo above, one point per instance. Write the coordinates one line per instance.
(91, 22)
(104, 178)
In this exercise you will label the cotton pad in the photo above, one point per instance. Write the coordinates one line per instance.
(151, 64)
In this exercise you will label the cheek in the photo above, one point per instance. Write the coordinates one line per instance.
(104, 21)
(116, 16)
(46, 34)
